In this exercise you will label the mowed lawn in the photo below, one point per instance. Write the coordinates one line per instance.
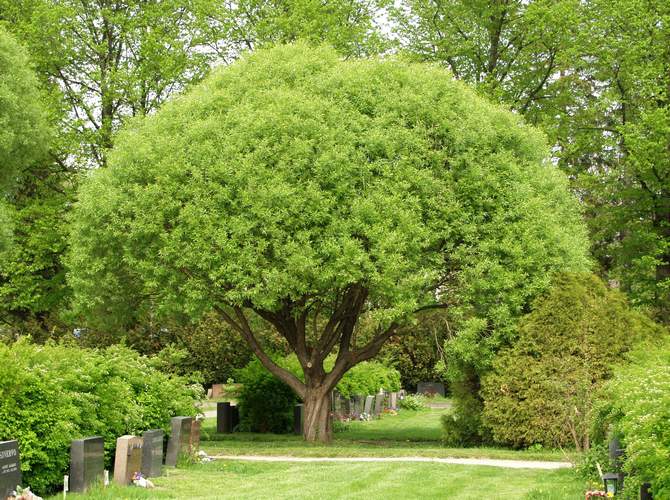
(232, 479)
(406, 434)
(410, 433)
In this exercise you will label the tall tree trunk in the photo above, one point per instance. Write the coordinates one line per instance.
(317, 425)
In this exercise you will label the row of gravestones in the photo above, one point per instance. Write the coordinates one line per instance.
(134, 454)
(352, 408)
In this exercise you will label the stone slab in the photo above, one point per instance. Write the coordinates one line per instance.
(180, 439)
(128, 459)
(430, 388)
(367, 408)
(10, 467)
(87, 463)
(152, 452)
(379, 404)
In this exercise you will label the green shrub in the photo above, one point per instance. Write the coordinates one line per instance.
(463, 426)
(52, 394)
(367, 378)
(413, 402)
(635, 405)
(265, 402)
(542, 389)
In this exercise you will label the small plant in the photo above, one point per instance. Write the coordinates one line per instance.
(413, 402)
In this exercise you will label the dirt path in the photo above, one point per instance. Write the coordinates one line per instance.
(509, 464)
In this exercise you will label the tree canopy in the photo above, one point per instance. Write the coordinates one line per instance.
(316, 191)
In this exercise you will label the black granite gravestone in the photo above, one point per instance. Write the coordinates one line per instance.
(152, 453)
(180, 439)
(10, 467)
(224, 417)
(87, 463)
(298, 419)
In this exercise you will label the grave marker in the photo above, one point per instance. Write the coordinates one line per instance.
(430, 388)
(180, 439)
(128, 459)
(194, 443)
(368, 404)
(394, 400)
(224, 417)
(10, 467)
(87, 463)
(152, 453)
(379, 404)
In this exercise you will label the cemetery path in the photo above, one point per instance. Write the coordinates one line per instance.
(509, 464)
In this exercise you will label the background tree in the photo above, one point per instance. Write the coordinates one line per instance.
(313, 192)
(544, 388)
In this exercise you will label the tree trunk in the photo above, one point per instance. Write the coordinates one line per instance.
(317, 425)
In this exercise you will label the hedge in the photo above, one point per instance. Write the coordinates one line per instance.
(51, 394)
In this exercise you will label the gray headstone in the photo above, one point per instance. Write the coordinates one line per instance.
(430, 388)
(393, 400)
(179, 442)
(368, 404)
(359, 404)
(152, 453)
(10, 467)
(379, 404)
(87, 463)
(128, 459)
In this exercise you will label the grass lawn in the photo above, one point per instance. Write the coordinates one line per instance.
(410, 433)
(406, 434)
(231, 479)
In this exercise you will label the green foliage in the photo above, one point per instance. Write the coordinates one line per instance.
(294, 173)
(265, 402)
(24, 133)
(463, 426)
(635, 404)
(52, 394)
(416, 351)
(413, 402)
(542, 389)
(367, 378)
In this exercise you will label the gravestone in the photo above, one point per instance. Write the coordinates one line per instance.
(347, 407)
(359, 403)
(128, 459)
(236, 416)
(10, 467)
(379, 404)
(217, 390)
(430, 388)
(224, 417)
(393, 398)
(209, 393)
(368, 404)
(194, 444)
(180, 438)
(298, 419)
(87, 463)
(152, 453)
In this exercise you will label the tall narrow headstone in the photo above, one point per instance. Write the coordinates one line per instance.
(379, 404)
(394, 400)
(224, 417)
(194, 444)
(128, 459)
(152, 453)
(368, 404)
(359, 403)
(298, 419)
(236, 416)
(180, 438)
(10, 467)
(87, 463)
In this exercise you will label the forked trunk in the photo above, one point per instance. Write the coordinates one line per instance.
(317, 425)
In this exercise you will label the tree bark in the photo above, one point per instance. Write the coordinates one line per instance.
(317, 425)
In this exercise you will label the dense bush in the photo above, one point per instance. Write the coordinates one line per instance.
(266, 403)
(367, 378)
(635, 405)
(413, 402)
(52, 394)
(542, 389)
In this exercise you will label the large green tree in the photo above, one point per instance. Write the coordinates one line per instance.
(320, 194)
(24, 129)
